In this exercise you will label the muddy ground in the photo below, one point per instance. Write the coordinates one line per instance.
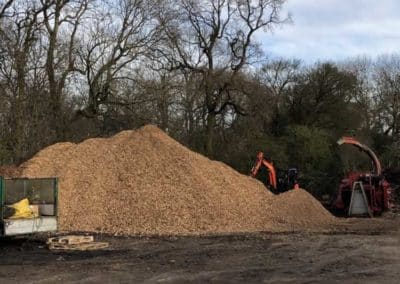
(360, 251)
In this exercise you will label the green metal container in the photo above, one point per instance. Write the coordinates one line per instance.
(41, 193)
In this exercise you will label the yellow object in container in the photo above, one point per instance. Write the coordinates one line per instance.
(22, 210)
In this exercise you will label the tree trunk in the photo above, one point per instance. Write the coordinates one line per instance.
(163, 104)
(18, 135)
(209, 139)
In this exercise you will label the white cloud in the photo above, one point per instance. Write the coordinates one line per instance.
(336, 29)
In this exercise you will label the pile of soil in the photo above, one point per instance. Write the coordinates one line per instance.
(144, 182)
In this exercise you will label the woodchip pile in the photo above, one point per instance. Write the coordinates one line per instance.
(9, 171)
(144, 182)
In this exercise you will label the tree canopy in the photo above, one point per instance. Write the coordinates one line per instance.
(73, 69)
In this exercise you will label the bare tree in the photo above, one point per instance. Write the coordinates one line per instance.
(19, 35)
(119, 37)
(278, 76)
(362, 98)
(387, 95)
(4, 5)
(61, 54)
(215, 39)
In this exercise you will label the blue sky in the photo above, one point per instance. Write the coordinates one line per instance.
(336, 30)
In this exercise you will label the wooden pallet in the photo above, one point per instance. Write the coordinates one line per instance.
(80, 247)
(70, 240)
(74, 242)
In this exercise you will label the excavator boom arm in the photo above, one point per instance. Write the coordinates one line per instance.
(271, 170)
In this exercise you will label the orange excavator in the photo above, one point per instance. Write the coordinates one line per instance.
(286, 181)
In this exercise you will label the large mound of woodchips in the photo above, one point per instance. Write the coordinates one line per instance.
(144, 182)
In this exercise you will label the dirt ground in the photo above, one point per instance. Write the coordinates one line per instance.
(359, 251)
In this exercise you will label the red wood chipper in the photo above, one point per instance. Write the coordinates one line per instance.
(372, 186)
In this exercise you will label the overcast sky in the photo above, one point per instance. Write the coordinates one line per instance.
(336, 29)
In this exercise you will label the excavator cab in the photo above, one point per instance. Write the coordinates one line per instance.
(288, 179)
